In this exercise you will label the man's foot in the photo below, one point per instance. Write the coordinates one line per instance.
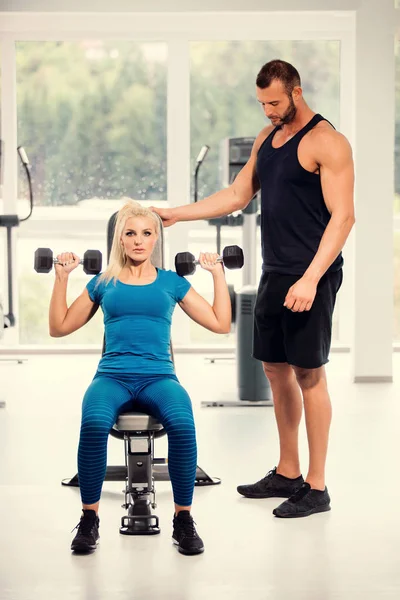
(303, 503)
(273, 485)
(185, 535)
(87, 536)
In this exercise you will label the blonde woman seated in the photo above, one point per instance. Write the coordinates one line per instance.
(136, 371)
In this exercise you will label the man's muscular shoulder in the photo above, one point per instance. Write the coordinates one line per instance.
(324, 142)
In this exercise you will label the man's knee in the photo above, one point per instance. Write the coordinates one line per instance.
(277, 372)
(308, 378)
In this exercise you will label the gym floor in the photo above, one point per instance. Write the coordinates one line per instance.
(349, 553)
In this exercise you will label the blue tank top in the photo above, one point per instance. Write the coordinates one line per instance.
(137, 323)
(293, 212)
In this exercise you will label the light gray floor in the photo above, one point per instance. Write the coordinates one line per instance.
(350, 553)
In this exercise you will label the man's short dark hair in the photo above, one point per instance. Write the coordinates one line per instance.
(281, 70)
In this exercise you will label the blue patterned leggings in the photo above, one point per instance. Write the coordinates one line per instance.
(164, 398)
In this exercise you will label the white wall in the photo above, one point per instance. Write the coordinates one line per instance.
(373, 268)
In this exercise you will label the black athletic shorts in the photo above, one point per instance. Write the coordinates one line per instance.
(300, 339)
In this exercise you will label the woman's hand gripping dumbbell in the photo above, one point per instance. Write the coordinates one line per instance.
(232, 258)
(67, 261)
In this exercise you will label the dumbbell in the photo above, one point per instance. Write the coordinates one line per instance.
(44, 261)
(232, 258)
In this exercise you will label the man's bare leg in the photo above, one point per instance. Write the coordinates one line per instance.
(318, 416)
(288, 410)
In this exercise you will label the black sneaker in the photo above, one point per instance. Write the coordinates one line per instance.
(88, 532)
(303, 503)
(273, 485)
(185, 535)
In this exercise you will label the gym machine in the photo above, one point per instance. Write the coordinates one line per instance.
(8, 222)
(253, 386)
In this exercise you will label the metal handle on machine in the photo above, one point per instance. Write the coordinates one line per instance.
(199, 161)
(25, 163)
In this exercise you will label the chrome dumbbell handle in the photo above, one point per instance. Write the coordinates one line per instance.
(219, 259)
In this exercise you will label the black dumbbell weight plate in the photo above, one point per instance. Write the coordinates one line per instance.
(92, 261)
(233, 257)
(43, 260)
(185, 264)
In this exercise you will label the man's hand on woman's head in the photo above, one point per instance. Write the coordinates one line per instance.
(166, 215)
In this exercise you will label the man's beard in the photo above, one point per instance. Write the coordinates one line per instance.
(290, 114)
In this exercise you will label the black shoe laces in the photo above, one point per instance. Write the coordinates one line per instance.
(187, 526)
(271, 473)
(85, 525)
(299, 495)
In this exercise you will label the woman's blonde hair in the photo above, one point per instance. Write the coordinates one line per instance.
(117, 255)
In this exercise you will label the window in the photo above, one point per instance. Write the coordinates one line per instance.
(92, 118)
(223, 101)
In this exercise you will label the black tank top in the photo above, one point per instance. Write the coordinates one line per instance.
(293, 212)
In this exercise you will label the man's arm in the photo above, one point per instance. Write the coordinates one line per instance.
(334, 156)
(224, 202)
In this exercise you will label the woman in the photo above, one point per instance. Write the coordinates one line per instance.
(136, 371)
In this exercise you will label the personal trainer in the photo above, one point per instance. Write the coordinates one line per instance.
(304, 169)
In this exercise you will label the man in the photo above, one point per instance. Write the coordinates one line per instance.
(304, 169)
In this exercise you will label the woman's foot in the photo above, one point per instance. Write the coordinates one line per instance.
(87, 536)
(185, 535)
